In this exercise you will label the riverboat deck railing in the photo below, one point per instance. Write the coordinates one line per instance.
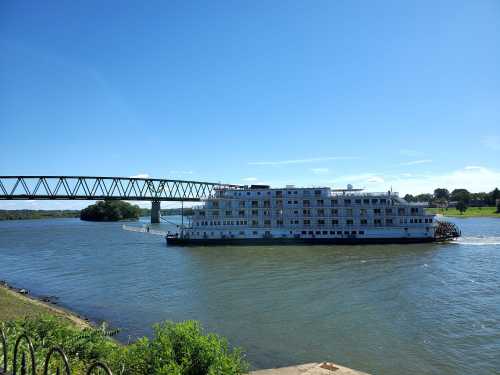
(24, 359)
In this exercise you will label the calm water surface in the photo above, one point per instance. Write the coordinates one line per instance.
(411, 309)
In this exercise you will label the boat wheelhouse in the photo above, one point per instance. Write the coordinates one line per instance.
(258, 214)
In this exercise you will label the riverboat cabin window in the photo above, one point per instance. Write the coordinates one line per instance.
(376, 211)
(321, 222)
(335, 202)
(366, 201)
(347, 202)
(255, 204)
(320, 202)
(335, 211)
(349, 222)
(363, 222)
(307, 222)
(377, 222)
(321, 212)
(305, 203)
(388, 211)
(229, 213)
(335, 222)
(358, 201)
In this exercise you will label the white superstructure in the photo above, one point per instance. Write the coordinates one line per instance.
(260, 212)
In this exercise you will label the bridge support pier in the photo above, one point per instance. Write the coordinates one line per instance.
(155, 212)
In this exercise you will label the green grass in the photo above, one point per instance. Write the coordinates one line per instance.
(470, 212)
(16, 306)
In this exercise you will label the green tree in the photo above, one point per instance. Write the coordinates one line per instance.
(498, 206)
(441, 194)
(423, 198)
(493, 196)
(409, 198)
(110, 211)
(462, 207)
(460, 195)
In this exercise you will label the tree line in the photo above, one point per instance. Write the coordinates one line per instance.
(461, 198)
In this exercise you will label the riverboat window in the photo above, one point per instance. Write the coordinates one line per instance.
(229, 213)
(296, 212)
(382, 201)
(306, 192)
(366, 201)
(376, 211)
(321, 222)
(347, 201)
(401, 211)
(321, 212)
(348, 211)
(335, 211)
(255, 204)
(325, 232)
(255, 212)
(295, 202)
(361, 232)
(374, 201)
(362, 211)
(349, 222)
(242, 204)
(388, 221)
(258, 193)
(318, 232)
(377, 222)
(242, 233)
(279, 222)
(311, 232)
(363, 222)
(346, 232)
(279, 193)
(215, 204)
(267, 212)
(201, 213)
(295, 192)
(241, 213)
(248, 193)
(317, 192)
(353, 232)
(304, 232)
(358, 201)
(388, 211)
(332, 232)
(267, 203)
(279, 203)
(289, 202)
(335, 222)
(320, 202)
(255, 232)
(305, 203)
(307, 222)
(335, 202)
(215, 213)
(267, 222)
(339, 233)
(306, 212)
(255, 222)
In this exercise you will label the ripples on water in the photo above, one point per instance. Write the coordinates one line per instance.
(396, 309)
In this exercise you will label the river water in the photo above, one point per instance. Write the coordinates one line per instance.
(392, 309)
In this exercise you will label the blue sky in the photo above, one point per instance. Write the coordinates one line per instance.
(374, 93)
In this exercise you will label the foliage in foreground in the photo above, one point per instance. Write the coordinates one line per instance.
(175, 348)
(110, 211)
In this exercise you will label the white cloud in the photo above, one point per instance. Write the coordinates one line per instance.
(250, 179)
(375, 179)
(302, 161)
(140, 175)
(472, 178)
(320, 171)
(415, 162)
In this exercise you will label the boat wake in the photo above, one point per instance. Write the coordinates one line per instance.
(478, 241)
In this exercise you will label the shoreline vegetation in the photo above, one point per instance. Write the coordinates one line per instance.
(470, 212)
(182, 348)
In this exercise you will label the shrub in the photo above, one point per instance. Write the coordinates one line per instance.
(175, 348)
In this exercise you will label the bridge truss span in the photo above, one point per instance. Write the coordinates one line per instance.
(105, 188)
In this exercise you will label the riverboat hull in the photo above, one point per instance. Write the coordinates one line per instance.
(173, 241)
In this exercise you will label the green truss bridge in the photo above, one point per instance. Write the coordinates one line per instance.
(106, 188)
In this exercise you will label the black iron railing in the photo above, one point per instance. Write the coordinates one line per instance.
(27, 363)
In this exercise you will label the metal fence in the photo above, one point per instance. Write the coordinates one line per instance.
(24, 360)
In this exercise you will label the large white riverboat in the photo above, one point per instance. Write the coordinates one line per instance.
(258, 214)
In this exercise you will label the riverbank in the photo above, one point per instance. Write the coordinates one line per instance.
(470, 212)
(16, 303)
(37, 214)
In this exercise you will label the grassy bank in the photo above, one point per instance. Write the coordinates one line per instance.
(470, 212)
(17, 306)
(37, 214)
